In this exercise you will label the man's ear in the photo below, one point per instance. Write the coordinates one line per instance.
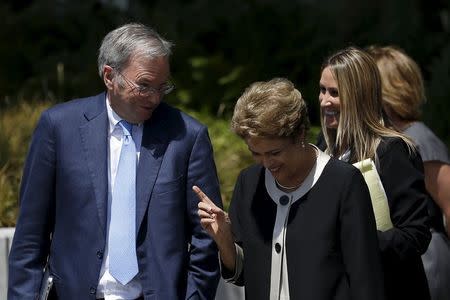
(108, 77)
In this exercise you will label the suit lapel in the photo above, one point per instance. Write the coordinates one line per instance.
(94, 139)
(154, 144)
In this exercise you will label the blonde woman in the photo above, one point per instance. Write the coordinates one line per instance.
(301, 224)
(353, 128)
(403, 97)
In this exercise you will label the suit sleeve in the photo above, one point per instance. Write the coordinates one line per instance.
(203, 274)
(402, 177)
(359, 242)
(31, 241)
(238, 279)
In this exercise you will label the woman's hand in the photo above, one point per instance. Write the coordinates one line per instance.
(213, 219)
(216, 222)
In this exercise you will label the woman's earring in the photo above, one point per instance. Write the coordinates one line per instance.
(303, 144)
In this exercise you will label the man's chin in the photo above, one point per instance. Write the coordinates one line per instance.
(144, 114)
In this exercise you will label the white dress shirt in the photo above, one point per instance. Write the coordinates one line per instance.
(108, 287)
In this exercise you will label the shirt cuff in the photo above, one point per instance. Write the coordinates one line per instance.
(229, 276)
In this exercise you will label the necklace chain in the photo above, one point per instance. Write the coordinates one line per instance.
(287, 187)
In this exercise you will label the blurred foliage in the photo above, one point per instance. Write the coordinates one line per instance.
(50, 47)
(437, 109)
(16, 127)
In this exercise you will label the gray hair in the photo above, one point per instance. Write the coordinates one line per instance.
(119, 45)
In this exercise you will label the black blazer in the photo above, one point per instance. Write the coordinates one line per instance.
(401, 247)
(331, 241)
(401, 173)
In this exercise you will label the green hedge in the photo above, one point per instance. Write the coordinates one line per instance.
(16, 126)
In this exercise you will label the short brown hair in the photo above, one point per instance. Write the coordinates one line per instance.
(273, 108)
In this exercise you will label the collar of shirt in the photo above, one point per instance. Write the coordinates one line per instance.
(114, 119)
(346, 156)
(275, 193)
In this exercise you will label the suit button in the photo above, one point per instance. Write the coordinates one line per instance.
(92, 290)
(284, 200)
(277, 247)
(100, 254)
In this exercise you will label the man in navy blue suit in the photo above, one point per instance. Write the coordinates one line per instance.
(68, 204)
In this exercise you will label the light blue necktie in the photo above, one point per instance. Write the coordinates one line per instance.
(122, 232)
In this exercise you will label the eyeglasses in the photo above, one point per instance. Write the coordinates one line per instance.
(145, 90)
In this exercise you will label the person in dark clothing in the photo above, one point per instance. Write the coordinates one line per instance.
(301, 225)
(354, 130)
(403, 96)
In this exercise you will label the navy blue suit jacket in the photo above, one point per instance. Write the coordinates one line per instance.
(63, 205)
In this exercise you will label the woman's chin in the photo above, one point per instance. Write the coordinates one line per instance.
(331, 123)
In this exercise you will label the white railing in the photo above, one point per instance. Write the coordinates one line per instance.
(6, 235)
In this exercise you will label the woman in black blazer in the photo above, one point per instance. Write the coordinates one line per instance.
(301, 224)
(353, 128)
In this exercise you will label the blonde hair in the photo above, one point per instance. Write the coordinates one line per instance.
(361, 123)
(272, 108)
(401, 80)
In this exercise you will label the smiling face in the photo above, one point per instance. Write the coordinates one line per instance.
(125, 100)
(329, 99)
(281, 156)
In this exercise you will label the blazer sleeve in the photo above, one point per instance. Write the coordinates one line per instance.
(31, 241)
(236, 228)
(234, 208)
(203, 269)
(359, 242)
(244, 191)
(401, 173)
